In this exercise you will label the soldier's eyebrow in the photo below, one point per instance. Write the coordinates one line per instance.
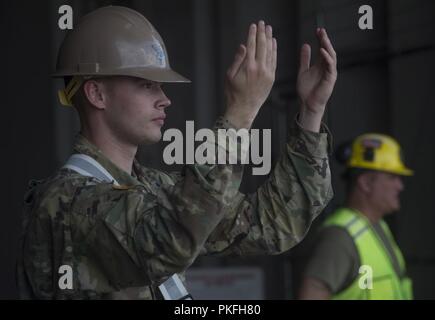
(142, 81)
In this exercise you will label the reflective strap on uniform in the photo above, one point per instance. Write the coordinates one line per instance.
(171, 289)
(88, 166)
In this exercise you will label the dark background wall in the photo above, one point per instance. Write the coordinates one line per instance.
(385, 84)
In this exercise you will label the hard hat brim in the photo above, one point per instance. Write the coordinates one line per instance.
(158, 75)
(401, 171)
(406, 172)
(152, 74)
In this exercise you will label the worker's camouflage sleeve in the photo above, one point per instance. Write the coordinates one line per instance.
(278, 215)
(122, 241)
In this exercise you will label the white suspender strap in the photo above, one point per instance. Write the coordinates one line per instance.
(173, 289)
(88, 166)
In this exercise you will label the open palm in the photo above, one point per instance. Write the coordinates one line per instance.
(315, 83)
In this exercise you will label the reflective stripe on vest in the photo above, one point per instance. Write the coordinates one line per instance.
(386, 283)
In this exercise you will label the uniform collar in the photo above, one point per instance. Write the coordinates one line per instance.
(84, 146)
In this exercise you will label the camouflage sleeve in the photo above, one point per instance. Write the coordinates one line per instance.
(278, 215)
(141, 236)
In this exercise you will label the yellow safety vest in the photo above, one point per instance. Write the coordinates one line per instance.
(386, 283)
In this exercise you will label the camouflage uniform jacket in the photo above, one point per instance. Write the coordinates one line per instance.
(123, 241)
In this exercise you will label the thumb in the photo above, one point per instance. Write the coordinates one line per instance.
(238, 60)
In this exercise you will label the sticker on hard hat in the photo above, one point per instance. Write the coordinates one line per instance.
(155, 55)
(159, 53)
(371, 143)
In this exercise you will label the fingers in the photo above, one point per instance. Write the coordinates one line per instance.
(252, 74)
(305, 58)
(329, 56)
(260, 44)
(261, 54)
(330, 63)
(274, 54)
(328, 53)
(325, 43)
(251, 43)
(238, 60)
(269, 48)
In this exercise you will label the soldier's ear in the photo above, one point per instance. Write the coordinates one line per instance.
(96, 92)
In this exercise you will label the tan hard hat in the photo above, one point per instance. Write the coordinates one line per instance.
(114, 41)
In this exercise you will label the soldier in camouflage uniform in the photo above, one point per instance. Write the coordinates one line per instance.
(124, 239)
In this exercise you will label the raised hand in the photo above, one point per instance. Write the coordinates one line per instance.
(315, 83)
(251, 76)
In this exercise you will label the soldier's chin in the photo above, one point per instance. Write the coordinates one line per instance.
(152, 138)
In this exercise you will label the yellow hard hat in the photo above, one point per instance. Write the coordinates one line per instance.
(380, 152)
